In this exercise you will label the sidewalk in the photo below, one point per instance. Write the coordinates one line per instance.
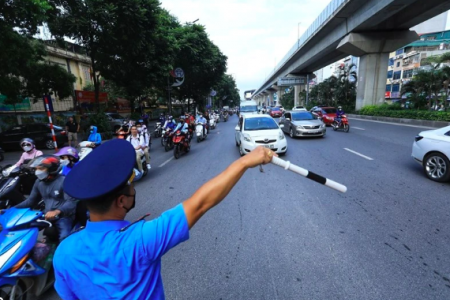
(424, 123)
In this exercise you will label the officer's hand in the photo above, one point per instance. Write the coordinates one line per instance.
(258, 156)
(51, 215)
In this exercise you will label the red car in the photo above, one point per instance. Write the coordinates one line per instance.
(326, 113)
(275, 112)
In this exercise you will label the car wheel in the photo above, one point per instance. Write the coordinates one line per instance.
(437, 167)
(237, 145)
(49, 144)
(291, 133)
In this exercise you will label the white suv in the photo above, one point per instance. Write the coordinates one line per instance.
(259, 130)
(299, 108)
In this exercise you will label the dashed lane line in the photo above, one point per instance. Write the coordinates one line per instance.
(359, 154)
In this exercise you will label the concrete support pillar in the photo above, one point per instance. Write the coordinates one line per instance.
(372, 79)
(373, 49)
(296, 95)
(279, 95)
(271, 100)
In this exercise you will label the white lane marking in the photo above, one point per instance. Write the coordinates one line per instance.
(358, 128)
(390, 123)
(359, 154)
(165, 163)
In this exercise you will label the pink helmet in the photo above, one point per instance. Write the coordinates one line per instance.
(68, 151)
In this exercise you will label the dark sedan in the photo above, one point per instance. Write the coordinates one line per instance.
(39, 132)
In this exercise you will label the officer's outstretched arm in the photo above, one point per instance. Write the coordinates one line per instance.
(215, 190)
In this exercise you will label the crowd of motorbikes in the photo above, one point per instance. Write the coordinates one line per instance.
(26, 254)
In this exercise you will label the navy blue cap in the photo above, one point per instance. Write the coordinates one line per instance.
(105, 170)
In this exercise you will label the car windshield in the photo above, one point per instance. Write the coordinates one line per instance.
(330, 110)
(276, 108)
(303, 116)
(115, 116)
(260, 124)
(249, 108)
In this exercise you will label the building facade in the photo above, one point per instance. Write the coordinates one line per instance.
(406, 61)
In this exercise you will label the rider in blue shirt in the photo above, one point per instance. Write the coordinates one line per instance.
(339, 114)
(115, 259)
(170, 123)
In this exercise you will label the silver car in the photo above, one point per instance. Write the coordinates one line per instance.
(302, 123)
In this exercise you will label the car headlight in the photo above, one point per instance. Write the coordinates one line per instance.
(281, 136)
(323, 125)
(300, 127)
(247, 138)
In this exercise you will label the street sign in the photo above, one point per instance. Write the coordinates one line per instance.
(213, 93)
(290, 81)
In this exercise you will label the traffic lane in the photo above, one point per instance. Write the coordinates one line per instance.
(403, 207)
(239, 266)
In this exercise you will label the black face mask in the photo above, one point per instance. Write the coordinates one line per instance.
(132, 205)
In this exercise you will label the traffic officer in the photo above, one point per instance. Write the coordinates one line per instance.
(112, 258)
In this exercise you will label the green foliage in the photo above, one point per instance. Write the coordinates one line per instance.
(287, 100)
(227, 90)
(100, 120)
(393, 112)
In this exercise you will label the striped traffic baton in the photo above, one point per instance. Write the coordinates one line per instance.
(308, 174)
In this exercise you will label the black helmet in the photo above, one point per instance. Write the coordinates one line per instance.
(51, 162)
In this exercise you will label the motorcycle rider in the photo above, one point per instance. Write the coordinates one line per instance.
(126, 126)
(339, 114)
(162, 119)
(94, 137)
(170, 123)
(59, 207)
(142, 131)
(202, 120)
(138, 144)
(68, 158)
(29, 153)
(183, 127)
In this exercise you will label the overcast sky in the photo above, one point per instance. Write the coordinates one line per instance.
(254, 34)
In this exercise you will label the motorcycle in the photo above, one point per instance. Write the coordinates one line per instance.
(199, 132)
(158, 130)
(15, 183)
(138, 175)
(181, 144)
(217, 117)
(342, 125)
(26, 268)
(84, 149)
(166, 140)
(212, 123)
(225, 117)
(2, 157)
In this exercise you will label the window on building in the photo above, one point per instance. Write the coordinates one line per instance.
(388, 87)
(408, 73)
(390, 74)
(398, 64)
(399, 51)
(396, 88)
(416, 59)
(397, 75)
(431, 38)
(391, 61)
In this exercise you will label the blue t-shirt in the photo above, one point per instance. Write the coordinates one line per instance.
(101, 262)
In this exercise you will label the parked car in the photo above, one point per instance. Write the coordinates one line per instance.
(326, 113)
(302, 123)
(299, 108)
(275, 112)
(431, 149)
(259, 130)
(39, 132)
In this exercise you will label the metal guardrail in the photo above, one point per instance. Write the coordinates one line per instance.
(323, 18)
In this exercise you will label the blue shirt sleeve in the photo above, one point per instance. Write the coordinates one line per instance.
(98, 139)
(164, 233)
(61, 287)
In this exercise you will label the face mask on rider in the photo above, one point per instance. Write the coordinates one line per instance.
(132, 205)
(64, 162)
(27, 148)
(139, 129)
(40, 174)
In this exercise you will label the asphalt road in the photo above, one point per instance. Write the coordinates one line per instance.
(281, 236)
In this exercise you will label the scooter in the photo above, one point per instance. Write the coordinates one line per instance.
(26, 268)
(343, 125)
(212, 122)
(181, 144)
(199, 132)
(84, 149)
(158, 130)
(14, 183)
(138, 175)
(225, 117)
(168, 140)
